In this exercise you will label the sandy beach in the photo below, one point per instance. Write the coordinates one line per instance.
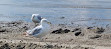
(76, 24)
(60, 37)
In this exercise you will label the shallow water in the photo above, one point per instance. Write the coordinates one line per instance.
(96, 12)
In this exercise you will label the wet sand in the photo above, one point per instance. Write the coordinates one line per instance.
(60, 37)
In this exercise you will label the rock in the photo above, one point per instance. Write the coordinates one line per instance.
(80, 47)
(66, 30)
(100, 30)
(3, 30)
(5, 46)
(89, 27)
(25, 27)
(76, 29)
(49, 46)
(77, 33)
(62, 17)
(94, 37)
(60, 31)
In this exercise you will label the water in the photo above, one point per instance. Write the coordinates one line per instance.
(96, 12)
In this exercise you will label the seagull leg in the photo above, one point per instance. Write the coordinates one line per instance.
(35, 24)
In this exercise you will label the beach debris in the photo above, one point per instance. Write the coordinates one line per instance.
(80, 47)
(96, 36)
(5, 46)
(66, 30)
(77, 33)
(62, 17)
(72, 23)
(20, 46)
(25, 27)
(76, 29)
(3, 30)
(89, 27)
(60, 31)
(48, 46)
(100, 30)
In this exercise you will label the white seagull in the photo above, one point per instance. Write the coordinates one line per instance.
(36, 18)
(41, 30)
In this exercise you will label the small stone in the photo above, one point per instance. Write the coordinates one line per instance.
(66, 30)
(76, 29)
(62, 17)
(100, 30)
(89, 27)
(94, 37)
(77, 33)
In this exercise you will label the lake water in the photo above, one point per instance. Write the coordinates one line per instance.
(88, 12)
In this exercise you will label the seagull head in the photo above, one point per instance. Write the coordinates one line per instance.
(45, 21)
(36, 18)
(34, 15)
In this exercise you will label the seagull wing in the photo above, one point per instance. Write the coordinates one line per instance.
(39, 17)
(36, 30)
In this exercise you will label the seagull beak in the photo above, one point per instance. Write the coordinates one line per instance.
(49, 23)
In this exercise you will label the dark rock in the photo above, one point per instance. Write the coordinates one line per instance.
(25, 27)
(3, 30)
(77, 33)
(14, 25)
(62, 17)
(20, 46)
(57, 31)
(72, 23)
(53, 31)
(94, 37)
(66, 30)
(100, 30)
(5, 46)
(76, 29)
(89, 27)
(60, 31)
(26, 24)
(1, 41)
(49, 46)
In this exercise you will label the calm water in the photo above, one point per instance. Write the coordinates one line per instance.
(96, 12)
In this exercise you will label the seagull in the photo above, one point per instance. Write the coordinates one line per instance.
(41, 30)
(36, 18)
